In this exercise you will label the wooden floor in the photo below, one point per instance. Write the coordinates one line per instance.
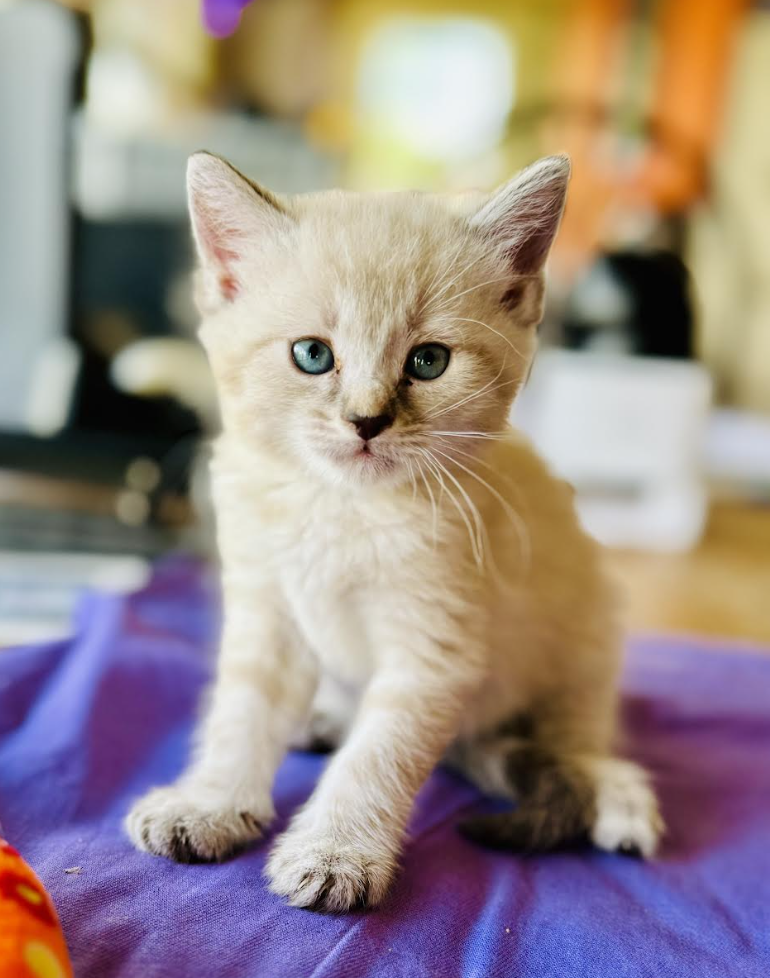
(721, 589)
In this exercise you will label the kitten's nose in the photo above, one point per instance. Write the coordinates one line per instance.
(369, 428)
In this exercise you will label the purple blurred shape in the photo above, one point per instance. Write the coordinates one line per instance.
(221, 17)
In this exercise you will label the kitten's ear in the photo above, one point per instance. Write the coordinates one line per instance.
(231, 216)
(523, 215)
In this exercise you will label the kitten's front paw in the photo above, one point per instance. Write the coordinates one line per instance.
(328, 872)
(173, 822)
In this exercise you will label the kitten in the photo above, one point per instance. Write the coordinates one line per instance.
(402, 575)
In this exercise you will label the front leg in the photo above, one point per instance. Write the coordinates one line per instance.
(342, 848)
(265, 681)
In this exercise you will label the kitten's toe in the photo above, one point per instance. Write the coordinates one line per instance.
(171, 822)
(326, 873)
(627, 816)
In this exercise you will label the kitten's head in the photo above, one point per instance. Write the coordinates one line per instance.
(359, 335)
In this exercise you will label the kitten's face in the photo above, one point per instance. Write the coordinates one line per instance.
(364, 336)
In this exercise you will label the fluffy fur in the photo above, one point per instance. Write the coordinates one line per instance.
(424, 595)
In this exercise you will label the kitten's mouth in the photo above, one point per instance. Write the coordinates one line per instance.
(368, 457)
(363, 460)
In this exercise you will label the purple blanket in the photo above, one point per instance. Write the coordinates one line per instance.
(87, 725)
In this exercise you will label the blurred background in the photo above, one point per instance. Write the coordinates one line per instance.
(651, 393)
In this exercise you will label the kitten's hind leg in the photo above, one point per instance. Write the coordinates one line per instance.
(562, 798)
(329, 721)
(626, 817)
(485, 761)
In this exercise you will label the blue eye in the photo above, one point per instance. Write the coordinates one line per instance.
(428, 361)
(312, 356)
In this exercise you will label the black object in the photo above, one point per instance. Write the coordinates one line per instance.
(632, 302)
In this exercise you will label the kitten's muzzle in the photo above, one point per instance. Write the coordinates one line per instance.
(369, 428)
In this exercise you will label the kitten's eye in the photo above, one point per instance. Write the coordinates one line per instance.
(312, 356)
(427, 362)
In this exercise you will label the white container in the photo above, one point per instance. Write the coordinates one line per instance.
(39, 55)
(628, 433)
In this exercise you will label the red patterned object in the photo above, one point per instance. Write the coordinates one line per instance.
(31, 940)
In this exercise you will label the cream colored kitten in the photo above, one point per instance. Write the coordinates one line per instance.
(401, 573)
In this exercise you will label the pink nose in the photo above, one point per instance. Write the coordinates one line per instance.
(369, 428)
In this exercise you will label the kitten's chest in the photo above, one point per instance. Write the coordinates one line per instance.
(332, 623)
(333, 575)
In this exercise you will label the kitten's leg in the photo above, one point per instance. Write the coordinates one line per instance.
(485, 760)
(341, 849)
(264, 685)
(484, 763)
(563, 796)
(330, 718)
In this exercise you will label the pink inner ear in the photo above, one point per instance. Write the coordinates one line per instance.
(228, 286)
(217, 243)
(219, 246)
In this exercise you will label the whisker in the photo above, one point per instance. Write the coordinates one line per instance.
(472, 288)
(442, 291)
(441, 274)
(472, 397)
(433, 508)
(516, 490)
(462, 400)
(475, 458)
(483, 538)
(411, 477)
(437, 468)
(473, 510)
(521, 531)
(491, 435)
(443, 285)
(462, 319)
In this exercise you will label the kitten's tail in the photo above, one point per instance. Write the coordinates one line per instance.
(566, 799)
(556, 808)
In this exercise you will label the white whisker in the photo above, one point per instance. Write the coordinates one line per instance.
(435, 413)
(441, 274)
(491, 435)
(478, 322)
(437, 468)
(411, 477)
(472, 397)
(516, 520)
(448, 285)
(433, 508)
(473, 510)
(484, 541)
(474, 458)
(479, 285)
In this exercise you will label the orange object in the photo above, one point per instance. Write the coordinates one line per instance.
(694, 45)
(31, 939)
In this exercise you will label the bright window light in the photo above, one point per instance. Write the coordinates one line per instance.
(441, 88)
